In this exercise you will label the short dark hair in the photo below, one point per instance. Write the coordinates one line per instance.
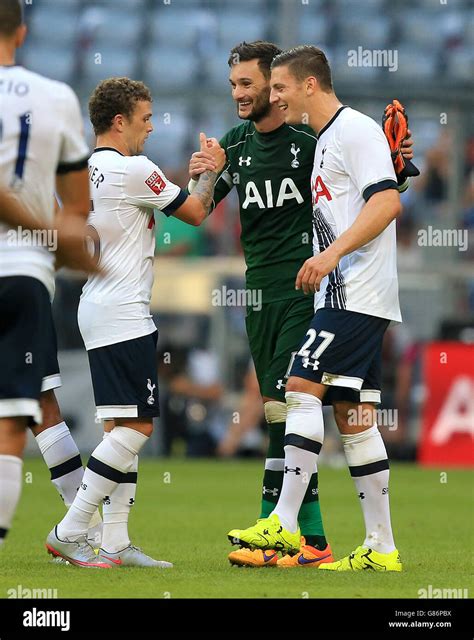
(306, 60)
(259, 50)
(11, 16)
(114, 96)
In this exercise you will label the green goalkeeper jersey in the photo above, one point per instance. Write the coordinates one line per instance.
(271, 172)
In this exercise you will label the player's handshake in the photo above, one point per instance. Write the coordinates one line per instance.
(210, 157)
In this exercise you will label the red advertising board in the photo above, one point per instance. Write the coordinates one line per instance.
(447, 435)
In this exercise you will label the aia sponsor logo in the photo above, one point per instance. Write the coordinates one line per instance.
(319, 190)
(155, 182)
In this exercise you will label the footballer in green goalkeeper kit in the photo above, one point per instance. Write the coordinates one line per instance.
(270, 165)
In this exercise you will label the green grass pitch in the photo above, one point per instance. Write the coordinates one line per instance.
(185, 508)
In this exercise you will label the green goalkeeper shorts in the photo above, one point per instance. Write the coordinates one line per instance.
(275, 333)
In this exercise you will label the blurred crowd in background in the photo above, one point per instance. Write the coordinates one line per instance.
(180, 49)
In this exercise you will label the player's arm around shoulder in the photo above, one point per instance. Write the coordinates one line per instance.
(367, 161)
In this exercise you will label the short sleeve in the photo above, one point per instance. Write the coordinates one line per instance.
(366, 157)
(147, 186)
(74, 150)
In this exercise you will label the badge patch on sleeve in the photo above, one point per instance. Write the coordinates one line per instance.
(156, 182)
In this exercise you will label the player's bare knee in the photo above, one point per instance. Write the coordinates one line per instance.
(50, 410)
(147, 429)
(296, 384)
(342, 421)
(12, 436)
(143, 426)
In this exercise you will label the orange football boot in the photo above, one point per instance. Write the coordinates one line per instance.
(256, 558)
(307, 556)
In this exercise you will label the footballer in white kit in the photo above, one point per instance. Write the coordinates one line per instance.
(353, 275)
(114, 311)
(358, 299)
(42, 150)
(42, 135)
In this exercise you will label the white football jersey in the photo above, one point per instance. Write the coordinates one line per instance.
(115, 305)
(41, 134)
(352, 162)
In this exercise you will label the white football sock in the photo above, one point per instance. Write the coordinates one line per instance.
(10, 490)
(368, 464)
(303, 440)
(113, 457)
(63, 460)
(116, 511)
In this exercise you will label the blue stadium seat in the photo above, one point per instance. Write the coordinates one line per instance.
(166, 144)
(461, 65)
(314, 30)
(217, 70)
(49, 23)
(49, 60)
(118, 26)
(414, 64)
(170, 68)
(129, 4)
(366, 30)
(176, 26)
(422, 28)
(113, 61)
(236, 25)
(343, 72)
(351, 7)
(218, 119)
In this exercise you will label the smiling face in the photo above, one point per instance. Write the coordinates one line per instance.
(250, 90)
(138, 127)
(289, 95)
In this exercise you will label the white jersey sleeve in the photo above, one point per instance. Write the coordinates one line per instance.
(366, 157)
(74, 151)
(147, 186)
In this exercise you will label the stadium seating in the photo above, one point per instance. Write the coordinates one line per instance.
(414, 65)
(461, 65)
(182, 47)
(53, 24)
(366, 30)
(422, 28)
(170, 68)
(237, 24)
(314, 30)
(110, 61)
(126, 27)
(50, 60)
(179, 27)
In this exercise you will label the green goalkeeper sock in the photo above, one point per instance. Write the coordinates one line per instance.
(310, 518)
(274, 464)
